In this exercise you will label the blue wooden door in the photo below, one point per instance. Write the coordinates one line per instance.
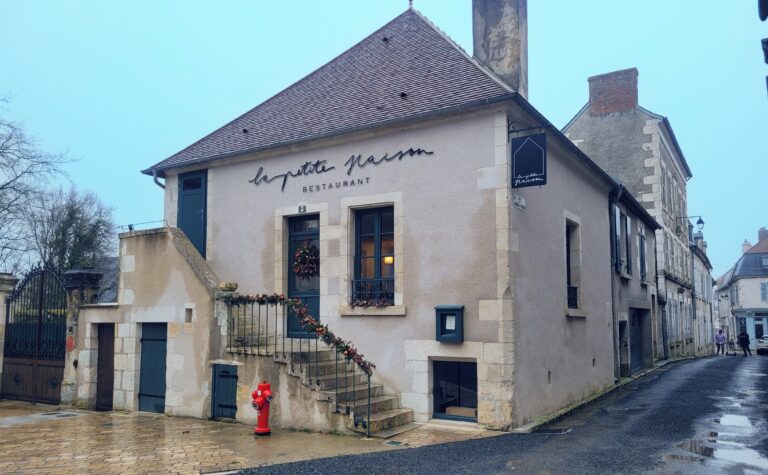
(192, 203)
(154, 338)
(224, 401)
(302, 230)
(636, 339)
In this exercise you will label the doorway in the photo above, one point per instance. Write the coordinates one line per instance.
(105, 366)
(154, 338)
(454, 390)
(303, 235)
(192, 207)
(636, 339)
(224, 400)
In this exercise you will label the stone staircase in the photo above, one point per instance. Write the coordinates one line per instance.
(343, 386)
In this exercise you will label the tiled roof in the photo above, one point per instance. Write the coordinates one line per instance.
(406, 68)
(750, 264)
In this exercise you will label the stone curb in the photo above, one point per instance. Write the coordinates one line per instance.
(568, 410)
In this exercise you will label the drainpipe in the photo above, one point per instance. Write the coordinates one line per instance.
(693, 284)
(614, 198)
(157, 181)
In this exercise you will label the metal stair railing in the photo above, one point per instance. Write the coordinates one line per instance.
(249, 335)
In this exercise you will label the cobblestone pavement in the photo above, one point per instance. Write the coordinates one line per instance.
(47, 439)
(93, 442)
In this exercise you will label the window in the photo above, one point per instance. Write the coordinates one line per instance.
(764, 291)
(641, 250)
(765, 261)
(374, 281)
(616, 240)
(572, 263)
(628, 242)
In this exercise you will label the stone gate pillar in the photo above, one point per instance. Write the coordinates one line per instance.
(7, 284)
(82, 288)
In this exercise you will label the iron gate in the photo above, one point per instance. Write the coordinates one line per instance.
(35, 333)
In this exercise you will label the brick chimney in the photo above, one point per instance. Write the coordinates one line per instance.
(745, 246)
(762, 233)
(613, 92)
(500, 37)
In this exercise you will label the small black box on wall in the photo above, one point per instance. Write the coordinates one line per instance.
(449, 323)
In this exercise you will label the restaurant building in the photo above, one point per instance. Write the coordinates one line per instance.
(417, 204)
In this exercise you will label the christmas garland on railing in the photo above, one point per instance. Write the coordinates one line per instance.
(308, 322)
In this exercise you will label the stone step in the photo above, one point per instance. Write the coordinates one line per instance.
(349, 395)
(382, 421)
(332, 381)
(332, 366)
(378, 404)
(386, 434)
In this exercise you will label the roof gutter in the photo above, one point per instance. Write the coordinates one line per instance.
(157, 182)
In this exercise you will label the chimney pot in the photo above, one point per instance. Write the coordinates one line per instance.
(762, 233)
(745, 246)
(500, 40)
(613, 92)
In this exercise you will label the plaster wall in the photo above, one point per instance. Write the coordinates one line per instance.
(560, 359)
(159, 284)
(749, 293)
(445, 247)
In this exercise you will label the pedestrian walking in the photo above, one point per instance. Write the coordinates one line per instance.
(720, 342)
(744, 342)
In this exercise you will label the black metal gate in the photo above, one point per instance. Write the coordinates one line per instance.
(35, 334)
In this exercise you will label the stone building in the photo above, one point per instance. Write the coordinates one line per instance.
(743, 291)
(639, 148)
(385, 191)
(635, 310)
(476, 300)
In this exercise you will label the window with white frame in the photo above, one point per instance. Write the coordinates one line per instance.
(572, 263)
(764, 291)
(374, 282)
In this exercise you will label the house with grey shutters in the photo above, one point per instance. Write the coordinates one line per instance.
(640, 149)
(742, 291)
(383, 193)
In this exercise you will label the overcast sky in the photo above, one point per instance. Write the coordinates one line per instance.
(121, 86)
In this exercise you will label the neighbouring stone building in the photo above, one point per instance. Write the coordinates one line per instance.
(640, 149)
(743, 291)
(635, 310)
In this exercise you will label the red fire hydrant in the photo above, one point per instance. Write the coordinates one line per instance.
(261, 399)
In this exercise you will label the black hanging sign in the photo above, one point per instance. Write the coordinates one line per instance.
(529, 160)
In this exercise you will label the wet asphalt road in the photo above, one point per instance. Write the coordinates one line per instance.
(698, 416)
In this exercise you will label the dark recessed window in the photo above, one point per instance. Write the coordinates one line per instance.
(374, 282)
(455, 390)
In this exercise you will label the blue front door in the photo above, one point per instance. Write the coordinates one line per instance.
(302, 231)
(192, 203)
(154, 338)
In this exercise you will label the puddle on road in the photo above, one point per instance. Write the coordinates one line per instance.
(697, 447)
(742, 455)
(735, 421)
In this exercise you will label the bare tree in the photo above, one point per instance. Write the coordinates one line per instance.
(25, 170)
(70, 229)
